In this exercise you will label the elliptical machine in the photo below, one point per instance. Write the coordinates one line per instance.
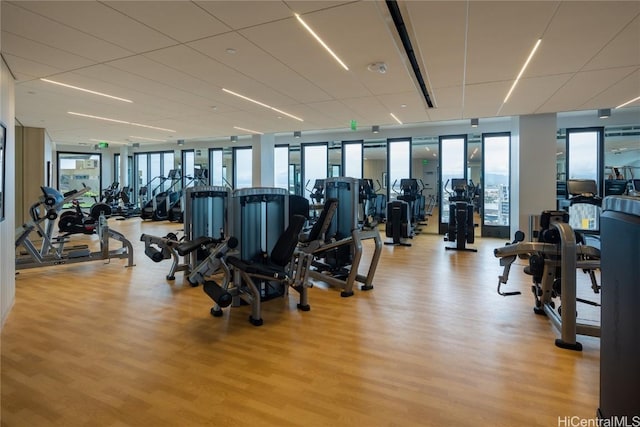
(461, 226)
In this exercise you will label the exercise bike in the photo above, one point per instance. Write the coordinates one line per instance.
(461, 227)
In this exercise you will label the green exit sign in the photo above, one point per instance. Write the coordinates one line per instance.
(103, 144)
(354, 125)
(425, 161)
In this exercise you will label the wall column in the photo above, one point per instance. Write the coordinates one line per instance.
(124, 160)
(533, 168)
(263, 158)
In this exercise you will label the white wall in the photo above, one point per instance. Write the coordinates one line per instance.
(7, 227)
(533, 172)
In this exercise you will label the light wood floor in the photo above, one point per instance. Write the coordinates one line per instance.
(432, 345)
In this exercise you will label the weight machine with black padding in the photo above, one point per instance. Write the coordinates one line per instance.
(44, 214)
(553, 263)
(205, 243)
(336, 262)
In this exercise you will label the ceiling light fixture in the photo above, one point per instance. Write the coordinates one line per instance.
(181, 142)
(262, 104)
(375, 129)
(297, 134)
(533, 51)
(319, 40)
(395, 118)
(604, 113)
(89, 116)
(234, 138)
(249, 130)
(87, 90)
(474, 123)
(628, 102)
(148, 139)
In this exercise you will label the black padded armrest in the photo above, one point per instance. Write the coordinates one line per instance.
(191, 245)
(250, 267)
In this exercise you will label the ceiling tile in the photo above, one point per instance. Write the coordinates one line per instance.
(181, 20)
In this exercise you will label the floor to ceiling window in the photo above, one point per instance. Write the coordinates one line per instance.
(452, 166)
(495, 186)
(77, 170)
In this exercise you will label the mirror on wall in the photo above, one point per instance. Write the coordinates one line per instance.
(374, 164)
(295, 170)
(352, 159)
(315, 157)
(227, 167)
(621, 158)
(398, 164)
(335, 159)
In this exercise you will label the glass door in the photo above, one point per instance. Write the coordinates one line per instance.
(452, 166)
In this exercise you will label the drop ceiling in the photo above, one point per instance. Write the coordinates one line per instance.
(173, 58)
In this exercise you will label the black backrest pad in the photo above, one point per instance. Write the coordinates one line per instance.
(283, 249)
(322, 224)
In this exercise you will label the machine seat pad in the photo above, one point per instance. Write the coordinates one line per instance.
(191, 245)
(263, 269)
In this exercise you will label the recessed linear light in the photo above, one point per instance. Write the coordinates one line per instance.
(249, 130)
(148, 139)
(628, 102)
(533, 51)
(118, 121)
(319, 40)
(262, 104)
(87, 90)
(395, 118)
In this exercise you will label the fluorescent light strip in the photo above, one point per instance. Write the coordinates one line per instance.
(86, 90)
(148, 139)
(522, 70)
(246, 98)
(319, 40)
(395, 118)
(249, 130)
(118, 121)
(97, 117)
(151, 127)
(627, 103)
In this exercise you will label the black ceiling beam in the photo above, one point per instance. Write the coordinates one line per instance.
(394, 10)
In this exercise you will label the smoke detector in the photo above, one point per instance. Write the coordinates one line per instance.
(377, 67)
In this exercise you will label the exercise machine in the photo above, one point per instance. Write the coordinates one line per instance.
(44, 214)
(461, 227)
(264, 264)
(553, 263)
(277, 268)
(337, 259)
(163, 197)
(398, 225)
(620, 316)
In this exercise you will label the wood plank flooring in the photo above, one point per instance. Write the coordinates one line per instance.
(432, 345)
